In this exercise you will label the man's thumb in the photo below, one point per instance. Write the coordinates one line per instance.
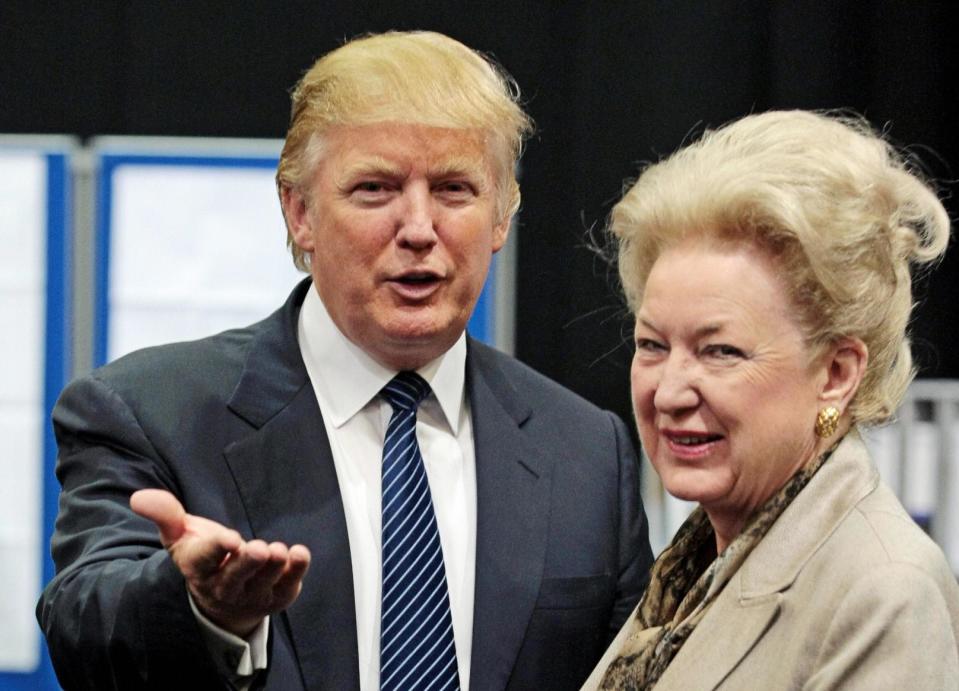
(162, 508)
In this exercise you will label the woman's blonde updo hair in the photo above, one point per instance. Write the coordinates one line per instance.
(845, 216)
(415, 77)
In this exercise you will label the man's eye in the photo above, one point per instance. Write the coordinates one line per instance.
(369, 186)
(455, 187)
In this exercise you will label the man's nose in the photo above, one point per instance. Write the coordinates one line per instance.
(416, 228)
(676, 390)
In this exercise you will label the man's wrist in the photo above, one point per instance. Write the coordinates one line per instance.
(234, 656)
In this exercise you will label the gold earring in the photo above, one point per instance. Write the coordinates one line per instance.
(827, 421)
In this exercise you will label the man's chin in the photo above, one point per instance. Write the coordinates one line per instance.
(411, 345)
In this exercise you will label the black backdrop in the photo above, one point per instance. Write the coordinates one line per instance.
(610, 84)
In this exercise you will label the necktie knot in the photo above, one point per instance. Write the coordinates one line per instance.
(406, 391)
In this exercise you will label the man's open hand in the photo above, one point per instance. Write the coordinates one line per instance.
(233, 582)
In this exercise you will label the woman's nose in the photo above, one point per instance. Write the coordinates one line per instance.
(676, 391)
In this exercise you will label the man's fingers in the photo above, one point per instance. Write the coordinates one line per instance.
(287, 587)
(205, 548)
(299, 559)
(246, 571)
(162, 508)
(265, 576)
(243, 565)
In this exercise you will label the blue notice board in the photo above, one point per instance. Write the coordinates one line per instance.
(35, 295)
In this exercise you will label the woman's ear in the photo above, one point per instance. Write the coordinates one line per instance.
(845, 365)
(296, 212)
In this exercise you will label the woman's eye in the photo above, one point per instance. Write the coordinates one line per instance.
(722, 350)
(649, 345)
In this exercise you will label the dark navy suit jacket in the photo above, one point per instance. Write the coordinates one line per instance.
(230, 424)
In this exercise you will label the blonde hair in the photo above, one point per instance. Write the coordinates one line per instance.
(842, 212)
(412, 77)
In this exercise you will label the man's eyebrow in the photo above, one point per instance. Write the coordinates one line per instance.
(457, 165)
(374, 165)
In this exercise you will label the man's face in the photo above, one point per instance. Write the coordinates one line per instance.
(400, 222)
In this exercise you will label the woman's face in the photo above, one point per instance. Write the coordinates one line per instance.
(723, 391)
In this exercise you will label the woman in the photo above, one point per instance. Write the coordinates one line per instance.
(768, 268)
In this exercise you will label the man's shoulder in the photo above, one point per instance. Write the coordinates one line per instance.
(212, 362)
(208, 367)
(204, 356)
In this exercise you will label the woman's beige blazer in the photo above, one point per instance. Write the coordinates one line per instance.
(843, 592)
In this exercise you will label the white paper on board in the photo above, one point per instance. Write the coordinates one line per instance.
(22, 283)
(22, 220)
(21, 347)
(19, 635)
(194, 250)
(21, 472)
(21, 544)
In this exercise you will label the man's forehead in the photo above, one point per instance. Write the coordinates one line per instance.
(389, 134)
(451, 163)
(398, 148)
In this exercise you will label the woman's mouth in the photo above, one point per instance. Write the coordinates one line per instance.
(694, 440)
(690, 444)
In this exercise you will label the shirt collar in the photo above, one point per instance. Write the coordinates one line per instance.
(348, 378)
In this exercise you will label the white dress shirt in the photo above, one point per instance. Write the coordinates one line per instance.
(347, 382)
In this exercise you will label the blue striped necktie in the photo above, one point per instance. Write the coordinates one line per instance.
(417, 650)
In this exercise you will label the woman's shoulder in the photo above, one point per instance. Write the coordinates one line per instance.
(881, 526)
(877, 549)
(874, 598)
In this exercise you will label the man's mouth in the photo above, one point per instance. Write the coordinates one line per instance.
(417, 278)
(416, 286)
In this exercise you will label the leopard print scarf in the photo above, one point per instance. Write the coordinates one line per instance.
(684, 582)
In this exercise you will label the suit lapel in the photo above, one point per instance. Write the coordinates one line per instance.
(286, 479)
(513, 489)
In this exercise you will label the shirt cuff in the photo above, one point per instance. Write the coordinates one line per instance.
(233, 656)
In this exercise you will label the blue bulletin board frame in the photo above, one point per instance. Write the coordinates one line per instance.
(57, 353)
(482, 324)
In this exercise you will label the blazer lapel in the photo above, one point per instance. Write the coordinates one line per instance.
(287, 481)
(716, 646)
(513, 489)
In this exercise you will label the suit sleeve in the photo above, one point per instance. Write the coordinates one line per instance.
(116, 615)
(891, 631)
(635, 555)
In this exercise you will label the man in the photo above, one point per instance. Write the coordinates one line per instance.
(397, 187)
